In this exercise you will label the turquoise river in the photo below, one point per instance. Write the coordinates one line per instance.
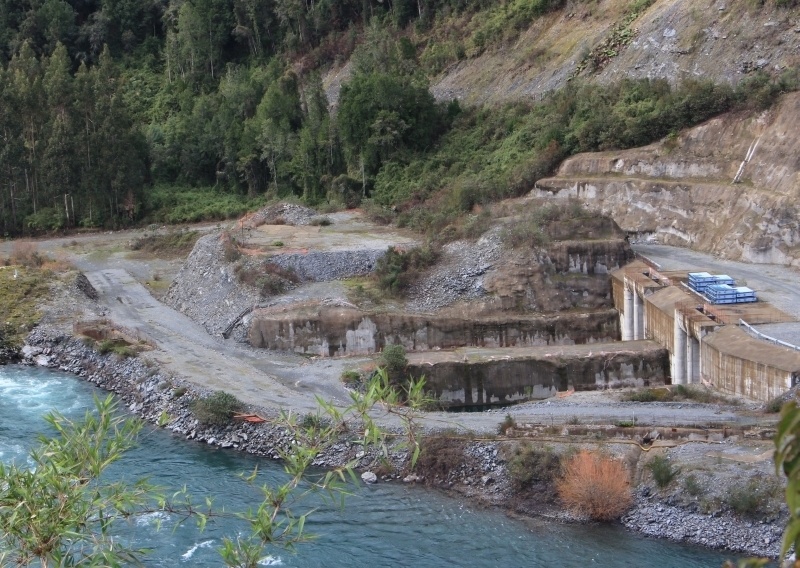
(388, 525)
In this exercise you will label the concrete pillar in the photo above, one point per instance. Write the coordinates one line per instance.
(692, 360)
(638, 316)
(627, 322)
(679, 353)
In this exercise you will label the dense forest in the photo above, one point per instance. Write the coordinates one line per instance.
(114, 112)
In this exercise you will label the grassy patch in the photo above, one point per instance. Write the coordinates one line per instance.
(172, 244)
(678, 393)
(750, 499)
(22, 291)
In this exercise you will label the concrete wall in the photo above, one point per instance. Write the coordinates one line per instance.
(736, 363)
(463, 384)
(342, 331)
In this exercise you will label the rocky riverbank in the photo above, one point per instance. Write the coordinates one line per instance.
(479, 472)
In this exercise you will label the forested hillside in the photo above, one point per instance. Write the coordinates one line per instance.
(115, 112)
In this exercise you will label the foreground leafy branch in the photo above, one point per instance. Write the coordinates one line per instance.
(63, 512)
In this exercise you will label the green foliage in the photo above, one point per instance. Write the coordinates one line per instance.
(397, 270)
(268, 278)
(351, 377)
(59, 512)
(382, 115)
(165, 204)
(506, 20)
(787, 461)
(692, 486)
(216, 409)
(646, 395)
(774, 405)
(527, 232)
(530, 466)
(749, 499)
(393, 359)
(677, 392)
(662, 470)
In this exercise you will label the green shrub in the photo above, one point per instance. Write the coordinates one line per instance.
(749, 499)
(644, 395)
(351, 377)
(321, 222)
(663, 471)
(179, 392)
(116, 346)
(216, 409)
(774, 405)
(393, 359)
(692, 486)
(441, 456)
(397, 270)
(268, 278)
(530, 466)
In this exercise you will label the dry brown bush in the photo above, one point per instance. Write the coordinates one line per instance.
(595, 485)
(26, 253)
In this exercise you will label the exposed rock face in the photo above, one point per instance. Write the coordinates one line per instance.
(568, 274)
(672, 39)
(659, 190)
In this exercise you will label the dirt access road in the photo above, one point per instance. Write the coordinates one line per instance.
(273, 381)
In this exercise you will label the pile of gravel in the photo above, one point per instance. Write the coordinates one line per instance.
(652, 517)
(206, 288)
(327, 266)
(458, 275)
(283, 213)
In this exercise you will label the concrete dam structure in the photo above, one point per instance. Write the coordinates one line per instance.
(709, 344)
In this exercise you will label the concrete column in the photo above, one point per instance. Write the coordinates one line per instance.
(679, 353)
(627, 322)
(692, 360)
(638, 316)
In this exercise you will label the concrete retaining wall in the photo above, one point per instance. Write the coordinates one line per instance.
(344, 331)
(736, 363)
(538, 376)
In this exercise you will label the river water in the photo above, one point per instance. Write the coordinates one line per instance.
(381, 525)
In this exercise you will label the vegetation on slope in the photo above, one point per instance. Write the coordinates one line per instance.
(123, 112)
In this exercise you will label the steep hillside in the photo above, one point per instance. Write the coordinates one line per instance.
(607, 40)
(680, 191)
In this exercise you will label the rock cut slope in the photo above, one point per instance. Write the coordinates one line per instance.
(681, 191)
